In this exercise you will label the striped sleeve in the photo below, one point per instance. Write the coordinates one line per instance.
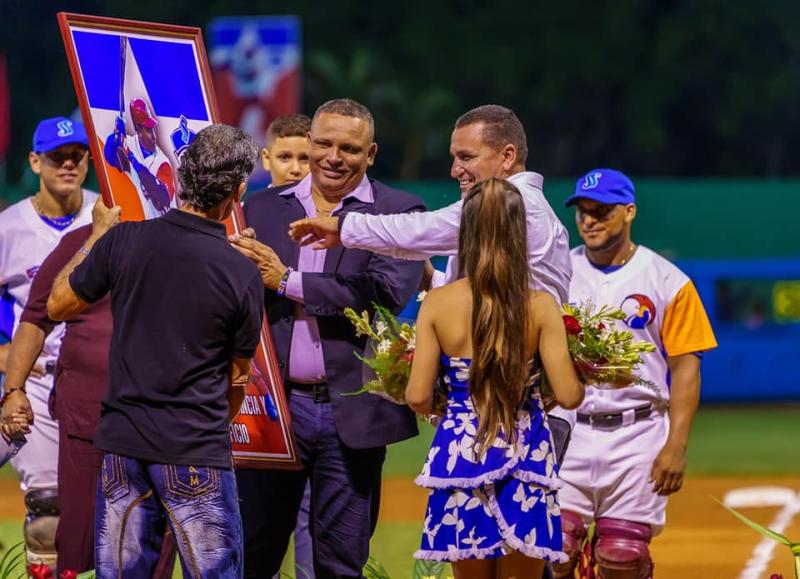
(686, 328)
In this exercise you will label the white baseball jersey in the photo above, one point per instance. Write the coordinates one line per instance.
(25, 242)
(606, 473)
(159, 166)
(662, 307)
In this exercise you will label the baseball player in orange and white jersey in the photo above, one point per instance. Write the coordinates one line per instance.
(628, 446)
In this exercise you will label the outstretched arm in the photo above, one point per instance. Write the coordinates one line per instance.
(414, 236)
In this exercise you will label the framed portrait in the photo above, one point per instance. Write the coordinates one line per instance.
(144, 92)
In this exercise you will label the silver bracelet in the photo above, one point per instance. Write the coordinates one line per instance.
(84, 251)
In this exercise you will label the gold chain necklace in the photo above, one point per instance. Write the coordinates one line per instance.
(631, 251)
(38, 207)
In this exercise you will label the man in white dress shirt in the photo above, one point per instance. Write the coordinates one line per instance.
(487, 142)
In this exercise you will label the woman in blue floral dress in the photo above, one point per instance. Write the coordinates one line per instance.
(493, 506)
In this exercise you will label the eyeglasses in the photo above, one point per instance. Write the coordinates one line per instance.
(58, 158)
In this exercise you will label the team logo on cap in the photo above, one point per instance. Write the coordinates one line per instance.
(182, 137)
(64, 128)
(639, 311)
(591, 180)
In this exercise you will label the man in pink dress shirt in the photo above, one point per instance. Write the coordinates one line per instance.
(341, 439)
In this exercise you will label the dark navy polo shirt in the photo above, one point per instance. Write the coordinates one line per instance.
(184, 304)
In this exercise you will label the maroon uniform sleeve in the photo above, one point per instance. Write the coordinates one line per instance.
(35, 311)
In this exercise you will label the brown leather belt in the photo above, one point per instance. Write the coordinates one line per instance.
(318, 391)
(616, 419)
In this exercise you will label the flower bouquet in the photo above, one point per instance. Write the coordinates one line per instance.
(603, 355)
(392, 347)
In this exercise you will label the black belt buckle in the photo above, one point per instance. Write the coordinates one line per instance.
(319, 393)
(605, 420)
(614, 420)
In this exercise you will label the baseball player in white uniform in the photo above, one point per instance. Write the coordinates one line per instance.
(142, 160)
(29, 231)
(628, 447)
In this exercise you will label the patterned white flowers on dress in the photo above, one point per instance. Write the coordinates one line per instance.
(428, 531)
(530, 538)
(526, 503)
(472, 541)
(541, 453)
(426, 468)
(553, 510)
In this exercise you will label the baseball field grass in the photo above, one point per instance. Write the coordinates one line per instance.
(732, 447)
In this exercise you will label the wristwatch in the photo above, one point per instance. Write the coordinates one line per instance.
(281, 291)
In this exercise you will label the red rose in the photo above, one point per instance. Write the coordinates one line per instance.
(68, 574)
(40, 571)
(572, 325)
(409, 356)
(601, 326)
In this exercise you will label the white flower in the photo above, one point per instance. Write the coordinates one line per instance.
(426, 468)
(526, 502)
(384, 346)
(428, 531)
(472, 540)
(540, 454)
(421, 295)
(380, 327)
(530, 538)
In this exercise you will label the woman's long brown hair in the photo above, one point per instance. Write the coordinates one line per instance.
(493, 254)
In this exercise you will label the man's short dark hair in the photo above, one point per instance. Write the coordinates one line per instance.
(500, 128)
(218, 160)
(294, 125)
(347, 108)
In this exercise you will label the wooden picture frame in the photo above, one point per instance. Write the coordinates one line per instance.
(144, 91)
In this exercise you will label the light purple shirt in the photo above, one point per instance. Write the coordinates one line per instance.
(306, 362)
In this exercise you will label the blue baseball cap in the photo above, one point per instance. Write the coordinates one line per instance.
(52, 133)
(604, 186)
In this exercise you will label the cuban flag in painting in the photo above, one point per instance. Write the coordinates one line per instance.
(147, 102)
(255, 64)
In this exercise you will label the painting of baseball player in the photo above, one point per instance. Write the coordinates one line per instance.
(142, 160)
(628, 447)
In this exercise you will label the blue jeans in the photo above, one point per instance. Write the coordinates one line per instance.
(345, 495)
(136, 499)
(303, 546)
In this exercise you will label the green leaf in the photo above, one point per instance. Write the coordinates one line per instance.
(755, 526)
(87, 575)
(429, 570)
(375, 570)
(11, 561)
